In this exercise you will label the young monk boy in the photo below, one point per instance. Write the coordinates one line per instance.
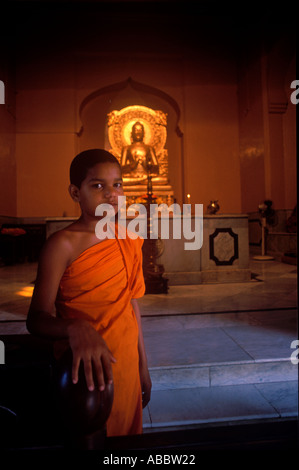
(86, 294)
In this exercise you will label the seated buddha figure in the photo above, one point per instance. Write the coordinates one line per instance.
(138, 159)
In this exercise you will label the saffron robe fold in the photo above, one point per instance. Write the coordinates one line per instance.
(98, 287)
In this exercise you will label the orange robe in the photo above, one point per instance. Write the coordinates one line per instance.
(98, 287)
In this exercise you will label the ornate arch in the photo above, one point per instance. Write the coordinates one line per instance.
(147, 89)
(138, 87)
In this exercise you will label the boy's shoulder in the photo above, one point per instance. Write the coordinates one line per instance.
(63, 235)
(61, 241)
(69, 242)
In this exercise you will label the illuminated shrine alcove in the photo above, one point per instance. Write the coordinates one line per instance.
(107, 116)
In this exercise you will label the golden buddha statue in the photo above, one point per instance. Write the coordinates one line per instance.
(139, 159)
(137, 136)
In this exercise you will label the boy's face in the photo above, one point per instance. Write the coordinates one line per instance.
(102, 185)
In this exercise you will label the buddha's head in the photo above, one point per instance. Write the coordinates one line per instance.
(137, 132)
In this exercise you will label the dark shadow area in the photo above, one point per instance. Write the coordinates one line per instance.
(30, 419)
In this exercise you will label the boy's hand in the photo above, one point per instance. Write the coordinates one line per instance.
(146, 385)
(87, 345)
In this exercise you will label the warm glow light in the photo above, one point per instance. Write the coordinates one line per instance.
(188, 196)
(26, 291)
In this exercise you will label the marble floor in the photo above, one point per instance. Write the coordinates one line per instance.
(218, 353)
(273, 286)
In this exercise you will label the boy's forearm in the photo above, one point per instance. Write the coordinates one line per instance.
(141, 345)
(85, 342)
(45, 325)
(145, 379)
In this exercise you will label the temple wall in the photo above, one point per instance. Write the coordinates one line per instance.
(231, 129)
(8, 189)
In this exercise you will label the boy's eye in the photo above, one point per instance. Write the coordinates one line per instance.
(101, 185)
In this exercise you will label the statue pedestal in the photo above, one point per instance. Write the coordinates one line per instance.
(223, 257)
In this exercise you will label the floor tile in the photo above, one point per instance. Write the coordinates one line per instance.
(283, 396)
(13, 328)
(215, 404)
(262, 342)
(170, 378)
(198, 346)
(256, 372)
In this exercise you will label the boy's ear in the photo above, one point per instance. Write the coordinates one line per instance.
(74, 192)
